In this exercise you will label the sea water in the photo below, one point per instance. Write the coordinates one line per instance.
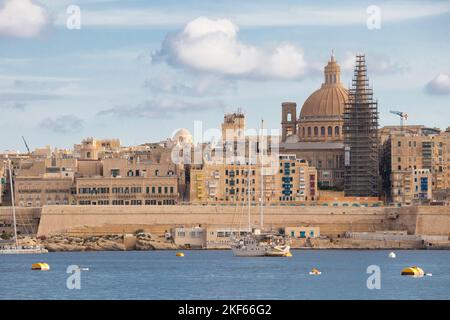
(202, 274)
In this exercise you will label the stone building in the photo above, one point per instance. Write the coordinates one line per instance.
(93, 149)
(316, 135)
(159, 190)
(287, 180)
(421, 156)
(41, 182)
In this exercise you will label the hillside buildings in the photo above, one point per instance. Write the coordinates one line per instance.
(332, 153)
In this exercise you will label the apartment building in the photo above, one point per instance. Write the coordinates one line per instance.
(419, 166)
(287, 179)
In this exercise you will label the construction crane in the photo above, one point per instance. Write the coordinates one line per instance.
(26, 144)
(403, 117)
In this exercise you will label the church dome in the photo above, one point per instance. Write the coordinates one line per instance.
(182, 136)
(329, 101)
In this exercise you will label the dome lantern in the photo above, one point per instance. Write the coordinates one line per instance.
(332, 72)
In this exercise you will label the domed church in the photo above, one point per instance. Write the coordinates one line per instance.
(316, 135)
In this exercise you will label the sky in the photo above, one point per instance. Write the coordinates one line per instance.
(138, 70)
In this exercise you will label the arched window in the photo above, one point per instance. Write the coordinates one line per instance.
(336, 131)
(309, 131)
(330, 131)
(322, 131)
(316, 131)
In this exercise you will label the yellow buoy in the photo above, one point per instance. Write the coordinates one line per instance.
(42, 266)
(413, 271)
(315, 272)
(180, 254)
(288, 254)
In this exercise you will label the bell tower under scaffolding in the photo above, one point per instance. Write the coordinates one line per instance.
(361, 176)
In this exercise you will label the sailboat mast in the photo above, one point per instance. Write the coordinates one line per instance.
(248, 190)
(11, 186)
(261, 207)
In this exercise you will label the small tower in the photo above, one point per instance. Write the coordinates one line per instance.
(233, 126)
(288, 120)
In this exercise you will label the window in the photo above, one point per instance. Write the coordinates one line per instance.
(115, 172)
(330, 131)
(336, 131)
(303, 131)
(322, 131)
(316, 131)
(309, 131)
(289, 117)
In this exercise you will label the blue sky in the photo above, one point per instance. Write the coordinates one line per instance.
(138, 70)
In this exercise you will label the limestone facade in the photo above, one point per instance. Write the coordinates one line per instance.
(287, 179)
(419, 162)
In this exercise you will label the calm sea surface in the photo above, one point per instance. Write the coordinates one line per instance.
(220, 275)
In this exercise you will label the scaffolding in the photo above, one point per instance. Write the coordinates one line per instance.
(361, 177)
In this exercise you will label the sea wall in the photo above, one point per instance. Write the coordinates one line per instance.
(27, 220)
(332, 221)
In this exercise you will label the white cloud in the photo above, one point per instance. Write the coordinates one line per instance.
(63, 124)
(22, 18)
(162, 107)
(439, 85)
(169, 82)
(213, 46)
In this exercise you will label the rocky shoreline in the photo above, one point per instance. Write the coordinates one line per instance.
(146, 242)
(65, 243)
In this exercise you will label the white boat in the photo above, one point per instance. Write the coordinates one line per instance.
(16, 248)
(249, 246)
(255, 243)
(23, 250)
(392, 255)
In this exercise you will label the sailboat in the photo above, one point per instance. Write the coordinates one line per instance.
(256, 243)
(16, 248)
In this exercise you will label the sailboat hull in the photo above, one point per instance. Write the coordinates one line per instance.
(249, 251)
(23, 251)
